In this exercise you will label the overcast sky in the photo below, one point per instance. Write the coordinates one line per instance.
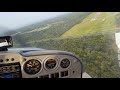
(14, 20)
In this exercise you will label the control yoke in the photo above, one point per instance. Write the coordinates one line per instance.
(5, 43)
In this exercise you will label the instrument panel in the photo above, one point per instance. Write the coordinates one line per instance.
(16, 65)
(51, 66)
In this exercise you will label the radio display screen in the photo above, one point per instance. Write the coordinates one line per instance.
(7, 76)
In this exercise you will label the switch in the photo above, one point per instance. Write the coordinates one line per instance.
(55, 75)
(64, 73)
(45, 76)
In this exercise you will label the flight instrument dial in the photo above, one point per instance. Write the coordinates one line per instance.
(50, 64)
(32, 66)
(65, 63)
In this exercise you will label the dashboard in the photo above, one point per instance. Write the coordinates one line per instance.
(30, 63)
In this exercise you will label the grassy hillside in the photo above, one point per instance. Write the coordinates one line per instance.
(95, 22)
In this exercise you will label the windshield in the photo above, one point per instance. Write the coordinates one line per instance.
(92, 36)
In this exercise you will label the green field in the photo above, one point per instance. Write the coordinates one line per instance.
(95, 22)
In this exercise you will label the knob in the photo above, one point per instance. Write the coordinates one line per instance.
(12, 59)
(7, 60)
(1, 60)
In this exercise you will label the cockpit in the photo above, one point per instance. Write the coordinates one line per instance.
(37, 62)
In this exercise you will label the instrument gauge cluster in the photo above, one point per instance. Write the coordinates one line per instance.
(47, 65)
